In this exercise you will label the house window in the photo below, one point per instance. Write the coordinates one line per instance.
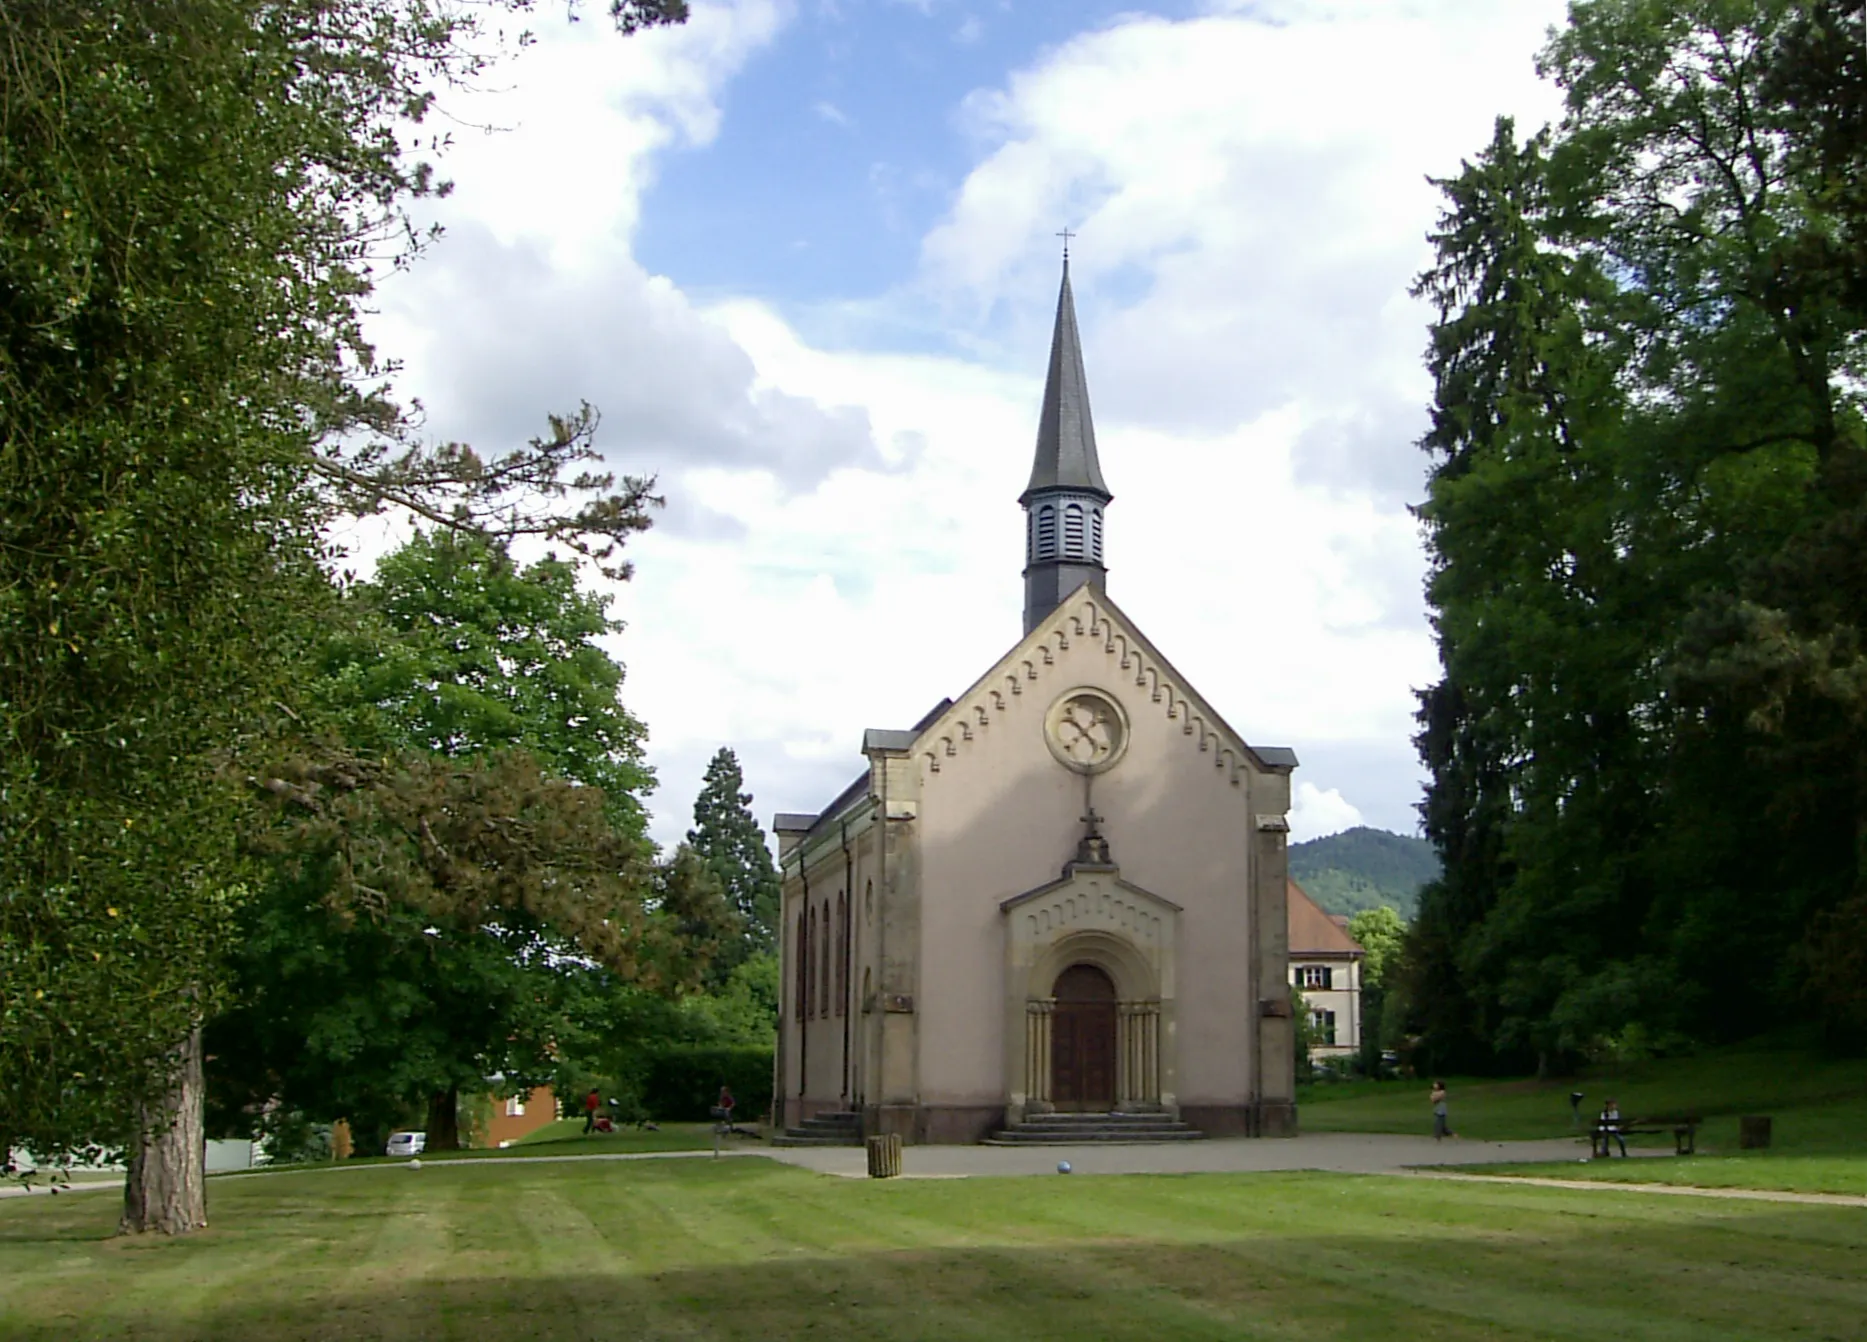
(515, 1107)
(1322, 1026)
(1315, 976)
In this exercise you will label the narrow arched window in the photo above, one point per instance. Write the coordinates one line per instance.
(1074, 546)
(826, 959)
(842, 950)
(1095, 534)
(800, 969)
(810, 969)
(1046, 533)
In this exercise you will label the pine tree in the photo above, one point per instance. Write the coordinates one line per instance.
(732, 844)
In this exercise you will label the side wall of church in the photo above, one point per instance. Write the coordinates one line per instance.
(824, 963)
(999, 815)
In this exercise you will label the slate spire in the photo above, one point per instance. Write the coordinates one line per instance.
(1066, 436)
(1064, 501)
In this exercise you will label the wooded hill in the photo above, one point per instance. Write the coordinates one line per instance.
(1364, 868)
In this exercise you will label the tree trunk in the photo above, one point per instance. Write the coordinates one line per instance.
(444, 1121)
(166, 1189)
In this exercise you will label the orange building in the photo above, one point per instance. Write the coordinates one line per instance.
(520, 1115)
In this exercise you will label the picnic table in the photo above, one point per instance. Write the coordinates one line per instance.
(1684, 1129)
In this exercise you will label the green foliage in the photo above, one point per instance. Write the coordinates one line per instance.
(1364, 868)
(458, 651)
(1646, 518)
(729, 840)
(411, 945)
(742, 1010)
(1379, 932)
(194, 195)
(682, 1082)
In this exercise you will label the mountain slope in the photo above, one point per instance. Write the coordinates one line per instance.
(1361, 868)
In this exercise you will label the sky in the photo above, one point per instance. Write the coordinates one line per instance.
(802, 257)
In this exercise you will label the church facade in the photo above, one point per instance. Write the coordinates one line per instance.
(1062, 890)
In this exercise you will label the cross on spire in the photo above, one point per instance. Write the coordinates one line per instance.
(1066, 235)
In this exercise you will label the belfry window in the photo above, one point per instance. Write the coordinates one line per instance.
(1074, 546)
(1095, 534)
(1046, 547)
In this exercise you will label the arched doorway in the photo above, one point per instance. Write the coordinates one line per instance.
(1082, 1047)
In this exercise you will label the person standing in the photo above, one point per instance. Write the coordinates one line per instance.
(1441, 1128)
(1611, 1126)
(590, 1104)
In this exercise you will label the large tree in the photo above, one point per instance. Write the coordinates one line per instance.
(728, 839)
(365, 999)
(420, 937)
(195, 193)
(1646, 525)
(458, 650)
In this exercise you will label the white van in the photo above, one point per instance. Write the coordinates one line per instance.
(406, 1143)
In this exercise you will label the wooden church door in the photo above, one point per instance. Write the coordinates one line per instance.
(1082, 1041)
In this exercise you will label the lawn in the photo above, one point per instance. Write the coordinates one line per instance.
(1741, 1169)
(1817, 1101)
(750, 1249)
(563, 1137)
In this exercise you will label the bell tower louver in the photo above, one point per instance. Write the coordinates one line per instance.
(1064, 501)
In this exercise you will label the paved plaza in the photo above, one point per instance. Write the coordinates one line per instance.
(1347, 1153)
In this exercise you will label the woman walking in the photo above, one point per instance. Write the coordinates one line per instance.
(1441, 1128)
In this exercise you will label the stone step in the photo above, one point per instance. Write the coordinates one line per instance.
(1091, 1137)
(797, 1137)
(1102, 1128)
(1138, 1125)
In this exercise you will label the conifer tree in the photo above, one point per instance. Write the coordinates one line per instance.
(732, 844)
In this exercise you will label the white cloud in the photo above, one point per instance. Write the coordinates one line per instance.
(844, 544)
(1315, 812)
(830, 112)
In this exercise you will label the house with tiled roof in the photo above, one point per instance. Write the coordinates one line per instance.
(1325, 966)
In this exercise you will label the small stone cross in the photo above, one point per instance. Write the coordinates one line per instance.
(1093, 851)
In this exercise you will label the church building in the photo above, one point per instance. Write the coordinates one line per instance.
(1061, 892)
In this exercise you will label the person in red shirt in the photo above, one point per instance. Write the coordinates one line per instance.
(590, 1103)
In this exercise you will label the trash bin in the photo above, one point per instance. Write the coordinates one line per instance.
(1753, 1132)
(885, 1156)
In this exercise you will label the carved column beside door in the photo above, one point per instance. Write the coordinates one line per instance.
(1037, 1014)
(1139, 1054)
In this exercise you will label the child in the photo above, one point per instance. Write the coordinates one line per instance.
(1441, 1128)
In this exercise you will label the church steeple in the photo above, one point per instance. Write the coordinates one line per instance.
(1064, 501)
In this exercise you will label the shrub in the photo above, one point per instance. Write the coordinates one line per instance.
(682, 1081)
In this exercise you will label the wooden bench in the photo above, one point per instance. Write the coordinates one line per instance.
(1684, 1130)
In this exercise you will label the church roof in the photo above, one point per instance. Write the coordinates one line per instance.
(1313, 932)
(1066, 436)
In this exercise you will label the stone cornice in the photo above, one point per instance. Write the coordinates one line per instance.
(1090, 615)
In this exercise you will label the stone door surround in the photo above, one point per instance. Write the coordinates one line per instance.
(1090, 917)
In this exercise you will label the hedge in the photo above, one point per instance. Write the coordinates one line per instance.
(682, 1082)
